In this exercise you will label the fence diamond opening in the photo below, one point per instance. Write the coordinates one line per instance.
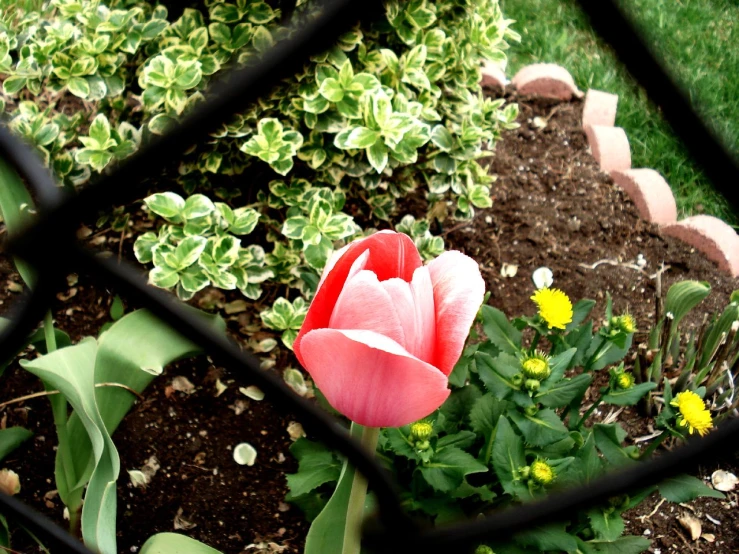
(50, 247)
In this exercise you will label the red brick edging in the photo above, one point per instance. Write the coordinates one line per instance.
(610, 147)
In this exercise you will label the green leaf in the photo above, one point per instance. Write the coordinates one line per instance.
(198, 205)
(628, 397)
(499, 330)
(550, 537)
(326, 533)
(166, 204)
(189, 250)
(11, 438)
(316, 466)
(624, 545)
(79, 87)
(608, 439)
(683, 297)
(377, 156)
(509, 458)
(545, 427)
(447, 469)
(607, 526)
(457, 407)
(16, 207)
(580, 311)
(497, 373)
(684, 488)
(172, 543)
(483, 415)
(361, 137)
(563, 392)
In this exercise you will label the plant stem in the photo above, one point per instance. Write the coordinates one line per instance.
(592, 408)
(355, 509)
(535, 341)
(653, 446)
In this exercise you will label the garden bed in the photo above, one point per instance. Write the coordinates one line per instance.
(551, 207)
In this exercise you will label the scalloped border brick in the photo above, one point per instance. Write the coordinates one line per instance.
(649, 191)
(610, 147)
(493, 77)
(599, 108)
(710, 235)
(546, 80)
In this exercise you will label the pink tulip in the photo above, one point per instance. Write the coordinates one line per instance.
(384, 331)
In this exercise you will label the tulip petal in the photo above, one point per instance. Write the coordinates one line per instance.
(365, 304)
(458, 293)
(371, 379)
(390, 255)
(414, 305)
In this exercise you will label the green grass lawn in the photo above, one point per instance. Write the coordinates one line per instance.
(699, 41)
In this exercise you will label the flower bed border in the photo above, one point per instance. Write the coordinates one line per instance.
(609, 144)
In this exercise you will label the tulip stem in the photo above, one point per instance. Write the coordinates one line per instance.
(355, 509)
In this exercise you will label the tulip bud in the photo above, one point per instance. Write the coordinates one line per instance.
(421, 431)
(532, 385)
(10, 484)
(542, 473)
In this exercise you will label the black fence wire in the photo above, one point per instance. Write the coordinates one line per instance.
(49, 245)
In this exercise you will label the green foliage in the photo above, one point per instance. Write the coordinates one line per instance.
(287, 317)
(170, 543)
(705, 358)
(130, 353)
(198, 246)
(504, 437)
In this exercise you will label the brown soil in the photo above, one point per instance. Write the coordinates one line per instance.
(552, 207)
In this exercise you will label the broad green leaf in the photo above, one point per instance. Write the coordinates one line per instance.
(563, 392)
(580, 311)
(483, 415)
(72, 371)
(539, 429)
(172, 543)
(362, 137)
(189, 250)
(377, 156)
(457, 407)
(326, 533)
(11, 438)
(684, 488)
(683, 297)
(628, 397)
(16, 207)
(509, 458)
(448, 468)
(550, 537)
(500, 331)
(607, 526)
(608, 439)
(79, 87)
(316, 466)
(623, 545)
(198, 205)
(166, 204)
(498, 373)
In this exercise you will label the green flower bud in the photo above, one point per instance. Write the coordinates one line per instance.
(517, 380)
(524, 472)
(423, 445)
(625, 323)
(532, 385)
(624, 380)
(421, 431)
(531, 410)
(484, 549)
(542, 473)
(536, 366)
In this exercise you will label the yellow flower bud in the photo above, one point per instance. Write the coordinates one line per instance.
(542, 473)
(421, 431)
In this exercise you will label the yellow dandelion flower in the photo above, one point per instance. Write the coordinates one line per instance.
(542, 473)
(554, 307)
(693, 413)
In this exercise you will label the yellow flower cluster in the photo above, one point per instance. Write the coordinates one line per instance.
(554, 307)
(693, 413)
